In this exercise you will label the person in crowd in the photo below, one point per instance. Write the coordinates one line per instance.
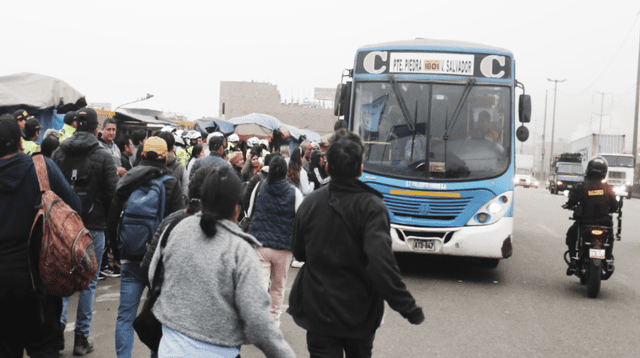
(137, 138)
(297, 174)
(250, 185)
(215, 157)
(306, 151)
(195, 138)
(175, 167)
(49, 145)
(29, 321)
(21, 117)
(234, 145)
(132, 284)
(69, 127)
(52, 133)
(212, 299)
(193, 206)
(109, 130)
(236, 160)
(182, 156)
(318, 176)
(125, 145)
(273, 208)
(264, 144)
(32, 132)
(359, 261)
(195, 152)
(103, 176)
(252, 165)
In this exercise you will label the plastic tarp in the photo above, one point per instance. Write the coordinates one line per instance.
(34, 91)
(258, 125)
(311, 135)
(212, 124)
(138, 115)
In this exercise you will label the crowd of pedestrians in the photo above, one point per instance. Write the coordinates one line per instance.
(221, 286)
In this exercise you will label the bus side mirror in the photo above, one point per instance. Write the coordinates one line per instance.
(524, 110)
(342, 101)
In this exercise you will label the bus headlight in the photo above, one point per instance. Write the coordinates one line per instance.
(493, 210)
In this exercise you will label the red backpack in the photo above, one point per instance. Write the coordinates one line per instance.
(67, 260)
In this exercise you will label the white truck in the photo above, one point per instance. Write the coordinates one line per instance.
(524, 171)
(611, 147)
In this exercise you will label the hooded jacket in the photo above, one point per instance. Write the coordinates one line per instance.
(19, 194)
(341, 232)
(103, 173)
(137, 176)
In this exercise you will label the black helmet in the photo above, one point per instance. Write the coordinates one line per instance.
(597, 165)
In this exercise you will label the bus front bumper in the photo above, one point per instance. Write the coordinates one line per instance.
(489, 241)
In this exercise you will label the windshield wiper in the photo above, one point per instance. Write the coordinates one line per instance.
(403, 106)
(456, 113)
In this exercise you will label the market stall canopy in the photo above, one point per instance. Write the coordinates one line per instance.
(311, 135)
(150, 118)
(33, 91)
(258, 125)
(213, 124)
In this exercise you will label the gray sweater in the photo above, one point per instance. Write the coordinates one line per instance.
(213, 291)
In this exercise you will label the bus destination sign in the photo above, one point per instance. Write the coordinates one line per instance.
(434, 63)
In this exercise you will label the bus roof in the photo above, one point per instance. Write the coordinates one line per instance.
(441, 45)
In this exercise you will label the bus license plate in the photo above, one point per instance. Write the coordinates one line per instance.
(596, 254)
(424, 245)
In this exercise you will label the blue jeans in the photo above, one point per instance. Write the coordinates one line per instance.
(85, 300)
(131, 288)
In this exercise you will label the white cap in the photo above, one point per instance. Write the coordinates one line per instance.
(264, 141)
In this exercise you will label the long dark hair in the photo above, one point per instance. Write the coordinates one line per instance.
(195, 189)
(195, 152)
(295, 163)
(221, 192)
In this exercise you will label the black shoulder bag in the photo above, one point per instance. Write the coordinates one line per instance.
(246, 220)
(146, 325)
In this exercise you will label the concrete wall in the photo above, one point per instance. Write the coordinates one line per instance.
(242, 98)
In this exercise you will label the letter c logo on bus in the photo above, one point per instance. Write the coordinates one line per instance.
(486, 66)
(369, 62)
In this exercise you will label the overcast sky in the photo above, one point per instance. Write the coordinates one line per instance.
(117, 51)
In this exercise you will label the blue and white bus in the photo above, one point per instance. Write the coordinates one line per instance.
(438, 122)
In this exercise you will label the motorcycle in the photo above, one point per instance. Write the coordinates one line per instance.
(594, 249)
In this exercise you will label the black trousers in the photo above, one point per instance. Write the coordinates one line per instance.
(323, 346)
(28, 322)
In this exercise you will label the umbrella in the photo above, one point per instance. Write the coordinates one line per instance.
(258, 125)
(311, 135)
(212, 124)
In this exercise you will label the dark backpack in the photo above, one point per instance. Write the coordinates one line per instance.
(141, 216)
(77, 169)
(67, 258)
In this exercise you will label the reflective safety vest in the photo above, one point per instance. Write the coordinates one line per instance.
(66, 132)
(30, 147)
(182, 155)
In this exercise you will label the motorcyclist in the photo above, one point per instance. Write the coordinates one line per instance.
(597, 200)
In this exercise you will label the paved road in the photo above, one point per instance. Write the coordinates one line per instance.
(526, 307)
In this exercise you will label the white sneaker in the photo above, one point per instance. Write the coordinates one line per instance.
(296, 263)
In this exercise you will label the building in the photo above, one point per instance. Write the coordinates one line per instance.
(241, 98)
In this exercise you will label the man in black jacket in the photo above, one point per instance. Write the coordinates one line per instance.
(132, 284)
(92, 172)
(350, 270)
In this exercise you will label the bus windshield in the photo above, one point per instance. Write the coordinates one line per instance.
(473, 145)
(619, 161)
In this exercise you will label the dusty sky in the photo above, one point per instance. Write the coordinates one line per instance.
(118, 51)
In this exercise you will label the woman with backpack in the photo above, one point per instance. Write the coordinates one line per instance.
(212, 301)
(272, 209)
(296, 173)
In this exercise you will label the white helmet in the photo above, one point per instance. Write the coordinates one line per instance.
(234, 138)
(253, 141)
(194, 134)
(214, 134)
(179, 140)
(168, 129)
(265, 142)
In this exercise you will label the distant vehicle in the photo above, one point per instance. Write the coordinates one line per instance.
(524, 171)
(534, 182)
(567, 173)
(438, 120)
(594, 144)
(620, 173)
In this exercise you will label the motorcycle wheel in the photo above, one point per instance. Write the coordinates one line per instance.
(594, 277)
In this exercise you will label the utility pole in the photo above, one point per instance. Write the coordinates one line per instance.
(635, 122)
(553, 122)
(543, 168)
(601, 115)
